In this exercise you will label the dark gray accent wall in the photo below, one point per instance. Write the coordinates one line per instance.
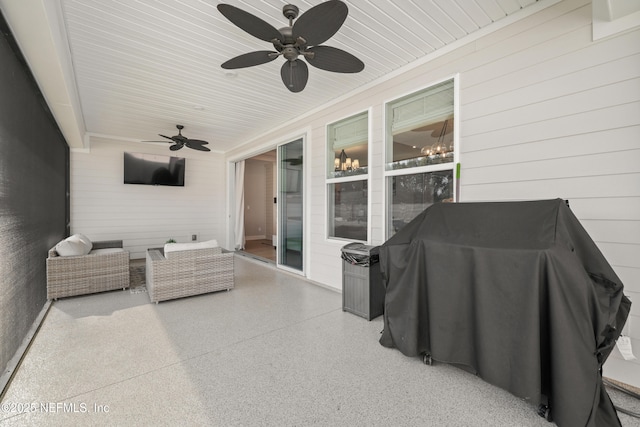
(34, 196)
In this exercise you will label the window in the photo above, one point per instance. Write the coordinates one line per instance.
(347, 178)
(412, 194)
(420, 153)
(348, 211)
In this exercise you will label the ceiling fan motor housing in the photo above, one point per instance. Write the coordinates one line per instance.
(290, 11)
(287, 36)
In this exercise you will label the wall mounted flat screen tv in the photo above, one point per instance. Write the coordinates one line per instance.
(153, 169)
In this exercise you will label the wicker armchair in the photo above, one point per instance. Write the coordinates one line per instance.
(100, 270)
(188, 272)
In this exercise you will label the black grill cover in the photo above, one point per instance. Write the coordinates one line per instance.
(516, 292)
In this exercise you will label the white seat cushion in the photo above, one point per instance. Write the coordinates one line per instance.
(106, 251)
(174, 247)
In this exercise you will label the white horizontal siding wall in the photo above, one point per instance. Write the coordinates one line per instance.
(145, 216)
(559, 116)
(545, 112)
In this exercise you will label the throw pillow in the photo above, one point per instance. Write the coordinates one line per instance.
(84, 239)
(75, 245)
(71, 248)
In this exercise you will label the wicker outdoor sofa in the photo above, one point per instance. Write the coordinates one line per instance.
(187, 272)
(104, 267)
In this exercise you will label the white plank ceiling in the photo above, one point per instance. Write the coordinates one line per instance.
(142, 66)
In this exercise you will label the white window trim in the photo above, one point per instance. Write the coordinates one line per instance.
(422, 169)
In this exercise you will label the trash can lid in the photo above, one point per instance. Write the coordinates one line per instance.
(360, 249)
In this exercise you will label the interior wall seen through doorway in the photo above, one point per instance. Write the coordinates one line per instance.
(260, 193)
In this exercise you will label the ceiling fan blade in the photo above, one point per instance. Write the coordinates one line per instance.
(437, 129)
(250, 59)
(250, 23)
(294, 75)
(294, 161)
(176, 147)
(333, 59)
(321, 22)
(197, 146)
(165, 136)
(196, 141)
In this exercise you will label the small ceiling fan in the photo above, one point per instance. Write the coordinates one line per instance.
(302, 38)
(180, 141)
(295, 161)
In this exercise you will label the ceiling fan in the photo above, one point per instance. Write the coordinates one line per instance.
(302, 38)
(294, 161)
(180, 141)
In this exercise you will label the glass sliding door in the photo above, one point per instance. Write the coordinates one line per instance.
(290, 205)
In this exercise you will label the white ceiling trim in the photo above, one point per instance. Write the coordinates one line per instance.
(614, 16)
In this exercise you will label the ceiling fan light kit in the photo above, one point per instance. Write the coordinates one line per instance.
(440, 149)
(344, 163)
(303, 38)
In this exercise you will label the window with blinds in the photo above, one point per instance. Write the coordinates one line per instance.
(420, 153)
(420, 128)
(348, 179)
(348, 146)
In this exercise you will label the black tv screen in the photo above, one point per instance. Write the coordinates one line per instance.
(153, 169)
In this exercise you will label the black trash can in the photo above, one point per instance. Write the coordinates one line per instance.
(362, 290)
